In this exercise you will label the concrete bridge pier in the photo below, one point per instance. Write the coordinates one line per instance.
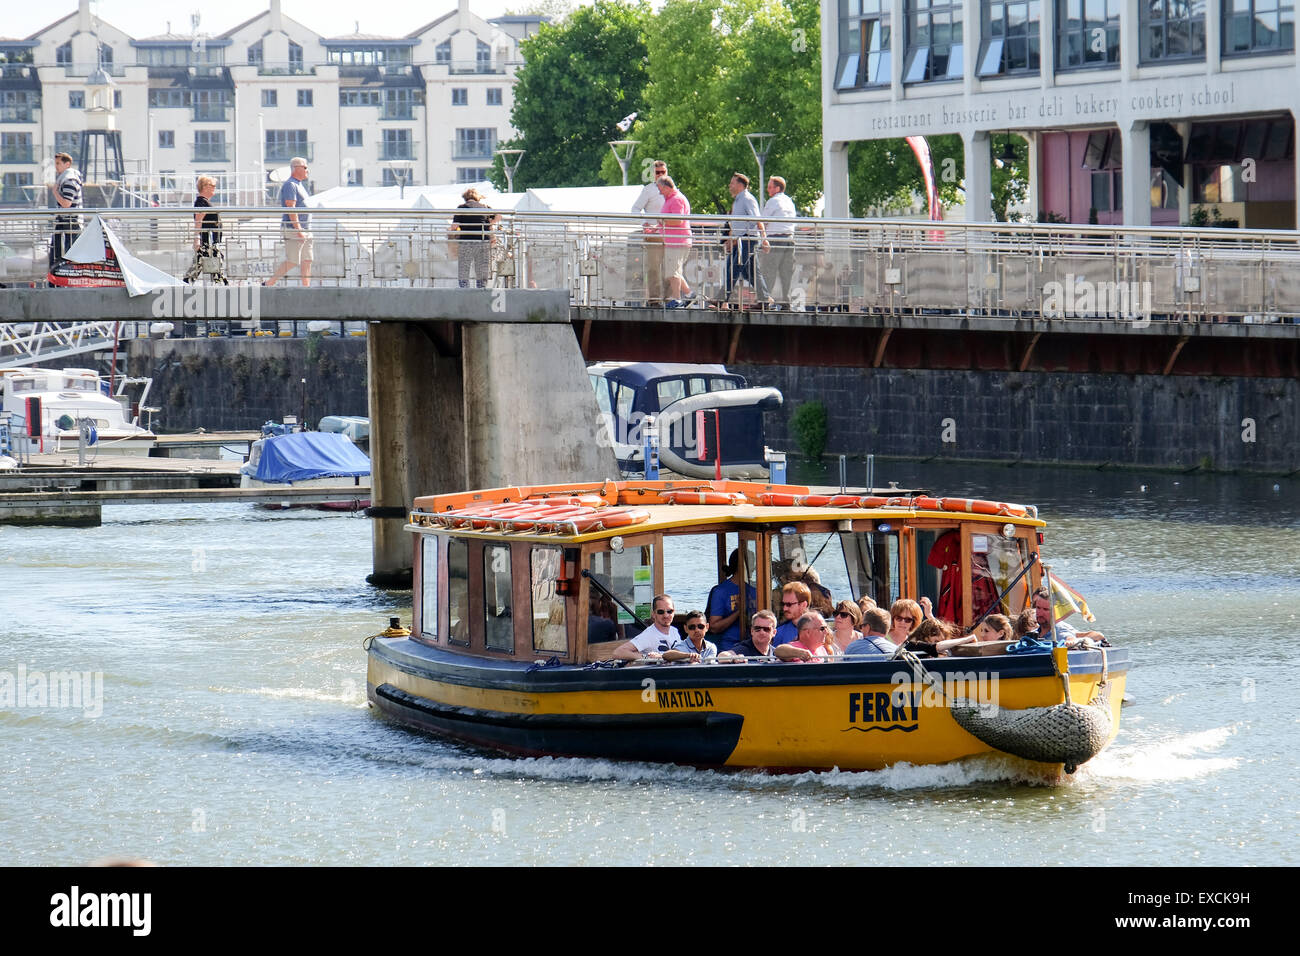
(458, 404)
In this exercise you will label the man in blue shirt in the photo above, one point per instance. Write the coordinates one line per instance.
(723, 605)
(743, 244)
(294, 226)
(795, 598)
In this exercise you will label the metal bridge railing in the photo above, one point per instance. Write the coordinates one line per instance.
(859, 266)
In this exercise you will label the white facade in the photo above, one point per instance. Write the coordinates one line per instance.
(1154, 82)
(429, 107)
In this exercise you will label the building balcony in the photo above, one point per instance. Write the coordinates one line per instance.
(85, 69)
(473, 151)
(209, 113)
(389, 151)
(18, 114)
(282, 154)
(397, 111)
(209, 153)
(17, 71)
(19, 154)
(291, 68)
(461, 67)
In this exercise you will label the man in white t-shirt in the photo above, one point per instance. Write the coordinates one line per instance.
(651, 200)
(655, 639)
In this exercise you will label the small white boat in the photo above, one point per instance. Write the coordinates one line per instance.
(65, 400)
(307, 460)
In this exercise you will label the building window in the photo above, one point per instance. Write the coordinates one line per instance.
(473, 174)
(864, 44)
(398, 104)
(76, 99)
(283, 145)
(13, 190)
(397, 177)
(67, 141)
(358, 97)
(63, 55)
(934, 47)
(295, 57)
(396, 144)
(482, 57)
(459, 96)
(255, 54)
(270, 97)
(16, 148)
(210, 105)
(1258, 26)
(117, 99)
(210, 146)
(355, 138)
(442, 52)
(304, 97)
(1087, 33)
(1010, 37)
(106, 57)
(167, 139)
(474, 143)
(169, 99)
(356, 177)
(1172, 30)
(494, 96)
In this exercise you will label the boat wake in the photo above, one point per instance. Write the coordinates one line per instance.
(1175, 758)
(353, 695)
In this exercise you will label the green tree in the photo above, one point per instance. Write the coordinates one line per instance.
(720, 69)
(578, 80)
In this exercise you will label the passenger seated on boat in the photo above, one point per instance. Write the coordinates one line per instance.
(847, 618)
(656, 638)
(905, 617)
(601, 620)
(694, 647)
(795, 598)
(759, 643)
(995, 627)
(1025, 622)
(723, 604)
(1065, 633)
(814, 644)
(937, 638)
(875, 624)
(865, 604)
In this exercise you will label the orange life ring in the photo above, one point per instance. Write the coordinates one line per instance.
(981, 507)
(589, 501)
(872, 501)
(703, 497)
(604, 520)
(771, 499)
(536, 520)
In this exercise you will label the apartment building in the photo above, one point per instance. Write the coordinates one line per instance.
(1135, 113)
(364, 109)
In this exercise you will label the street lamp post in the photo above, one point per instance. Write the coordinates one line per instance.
(760, 144)
(623, 150)
(510, 159)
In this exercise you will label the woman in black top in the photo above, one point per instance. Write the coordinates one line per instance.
(473, 233)
(207, 236)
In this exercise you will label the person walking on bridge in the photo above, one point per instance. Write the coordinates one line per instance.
(294, 226)
(743, 243)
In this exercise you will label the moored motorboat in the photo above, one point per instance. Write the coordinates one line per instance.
(307, 460)
(69, 406)
(514, 589)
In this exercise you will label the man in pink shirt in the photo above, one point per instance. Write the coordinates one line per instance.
(677, 241)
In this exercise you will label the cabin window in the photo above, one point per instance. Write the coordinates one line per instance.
(630, 577)
(457, 591)
(550, 631)
(669, 391)
(871, 560)
(723, 384)
(995, 561)
(429, 586)
(698, 385)
(498, 617)
(816, 559)
(623, 400)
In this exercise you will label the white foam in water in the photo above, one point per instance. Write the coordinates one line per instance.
(355, 696)
(1174, 758)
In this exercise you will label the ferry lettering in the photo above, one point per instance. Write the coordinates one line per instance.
(869, 707)
(677, 699)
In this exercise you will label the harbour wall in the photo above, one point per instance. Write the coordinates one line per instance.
(1182, 422)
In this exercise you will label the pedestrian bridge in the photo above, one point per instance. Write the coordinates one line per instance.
(485, 387)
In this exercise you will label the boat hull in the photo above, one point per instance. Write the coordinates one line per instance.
(781, 717)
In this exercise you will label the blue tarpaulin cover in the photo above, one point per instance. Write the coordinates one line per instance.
(305, 455)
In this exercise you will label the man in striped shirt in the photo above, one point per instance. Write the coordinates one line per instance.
(67, 193)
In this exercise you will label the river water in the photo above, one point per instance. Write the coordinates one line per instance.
(231, 726)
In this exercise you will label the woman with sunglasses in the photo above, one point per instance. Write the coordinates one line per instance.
(847, 620)
(905, 617)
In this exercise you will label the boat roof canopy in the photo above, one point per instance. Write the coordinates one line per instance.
(638, 374)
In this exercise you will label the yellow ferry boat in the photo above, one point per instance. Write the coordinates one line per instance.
(514, 589)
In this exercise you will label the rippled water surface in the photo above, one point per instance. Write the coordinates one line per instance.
(234, 727)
